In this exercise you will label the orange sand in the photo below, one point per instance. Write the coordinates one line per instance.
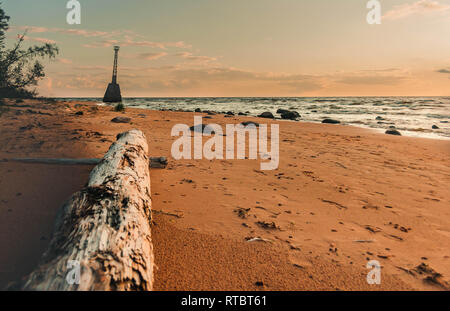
(342, 196)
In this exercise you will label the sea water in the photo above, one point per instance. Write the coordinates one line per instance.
(413, 116)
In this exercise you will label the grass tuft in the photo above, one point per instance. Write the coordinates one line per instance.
(120, 107)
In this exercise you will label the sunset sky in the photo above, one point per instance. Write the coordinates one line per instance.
(186, 48)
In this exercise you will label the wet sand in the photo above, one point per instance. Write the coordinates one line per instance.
(342, 196)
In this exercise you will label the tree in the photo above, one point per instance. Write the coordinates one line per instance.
(19, 69)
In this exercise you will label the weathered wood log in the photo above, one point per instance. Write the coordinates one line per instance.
(105, 228)
(155, 162)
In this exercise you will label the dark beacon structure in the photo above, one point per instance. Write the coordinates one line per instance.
(112, 94)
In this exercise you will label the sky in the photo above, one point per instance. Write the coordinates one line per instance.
(189, 48)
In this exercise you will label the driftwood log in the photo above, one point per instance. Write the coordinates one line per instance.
(104, 229)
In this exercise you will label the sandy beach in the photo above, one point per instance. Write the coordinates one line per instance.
(342, 196)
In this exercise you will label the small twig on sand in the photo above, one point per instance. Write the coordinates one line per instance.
(168, 214)
(257, 239)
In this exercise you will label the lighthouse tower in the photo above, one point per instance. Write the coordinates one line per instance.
(112, 94)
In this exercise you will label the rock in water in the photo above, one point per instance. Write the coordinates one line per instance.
(267, 115)
(331, 121)
(290, 115)
(121, 120)
(281, 111)
(393, 132)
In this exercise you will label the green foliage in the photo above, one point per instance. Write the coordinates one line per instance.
(19, 68)
(120, 107)
(4, 26)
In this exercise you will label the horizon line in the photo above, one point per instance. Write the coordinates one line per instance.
(340, 96)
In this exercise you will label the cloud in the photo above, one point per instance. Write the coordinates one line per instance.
(105, 37)
(76, 32)
(143, 43)
(372, 77)
(92, 68)
(151, 56)
(190, 56)
(189, 79)
(419, 7)
(183, 79)
(371, 80)
(39, 40)
(63, 60)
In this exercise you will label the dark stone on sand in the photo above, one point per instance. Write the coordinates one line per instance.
(242, 114)
(200, 129)
(121, 120)
(26, 128)
(267, 115)
(250, 123)
(211, 113)
(380, 118)
(79, 113)
(158, 162)
(230, 113)
(331, 121)
(393, 132)
(198, 110)
(435, 127)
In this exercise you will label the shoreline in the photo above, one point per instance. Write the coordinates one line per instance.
(388, 116)
(332, 188)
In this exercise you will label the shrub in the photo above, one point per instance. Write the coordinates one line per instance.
(120, 107)
(19, 69)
